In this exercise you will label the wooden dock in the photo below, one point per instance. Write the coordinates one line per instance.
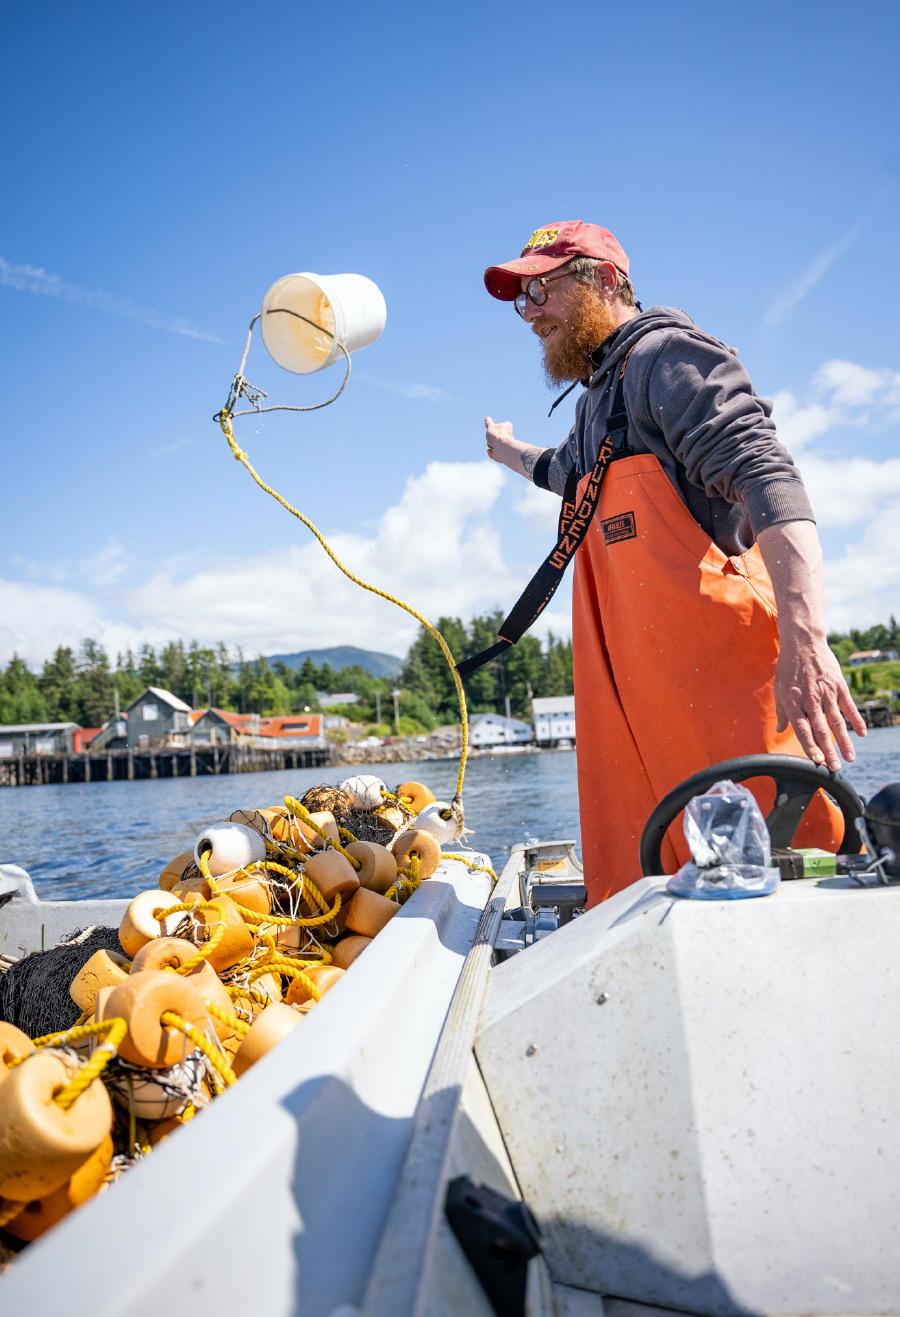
(143, 765)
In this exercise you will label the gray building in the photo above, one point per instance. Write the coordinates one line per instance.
(37, 739)
(155, 720)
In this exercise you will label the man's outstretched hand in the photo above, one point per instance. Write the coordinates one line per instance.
(504, 448)
(811, 695)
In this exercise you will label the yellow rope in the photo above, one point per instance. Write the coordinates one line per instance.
(241, 456)
(301, 812)
(290, 970)
(409, 884)
(239, 1026)
(205, 950)
(112, 1032)
(172, 1020)
(287, 921)
(461, 859)
(249, 991)
(274, 954)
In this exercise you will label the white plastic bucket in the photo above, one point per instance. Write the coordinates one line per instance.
(349, 306)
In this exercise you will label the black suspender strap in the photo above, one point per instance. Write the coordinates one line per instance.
(574, 519)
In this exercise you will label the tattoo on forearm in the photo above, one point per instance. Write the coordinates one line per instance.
(529, 460)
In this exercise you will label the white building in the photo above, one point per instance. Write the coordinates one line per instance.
(554, 719)
(493, 729)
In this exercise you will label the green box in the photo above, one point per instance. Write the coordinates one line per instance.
(816, 862)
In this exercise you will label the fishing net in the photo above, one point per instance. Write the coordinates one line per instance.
(363, 825)
(333, 799)
(34, 993)
(369, 827)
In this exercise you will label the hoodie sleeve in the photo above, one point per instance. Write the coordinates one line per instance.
(561, 463)
(698, 395)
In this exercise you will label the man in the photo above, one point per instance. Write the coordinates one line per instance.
(702, 531)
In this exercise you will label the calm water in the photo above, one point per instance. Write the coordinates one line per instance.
(112, 839)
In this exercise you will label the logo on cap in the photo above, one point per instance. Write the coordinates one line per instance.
(541, 238)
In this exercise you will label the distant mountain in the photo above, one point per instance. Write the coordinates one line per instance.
(344, 656)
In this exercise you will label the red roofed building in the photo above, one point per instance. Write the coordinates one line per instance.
(82, 737)
(301, 729)
(222, 727)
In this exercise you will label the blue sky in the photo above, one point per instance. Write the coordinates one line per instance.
(163, 166)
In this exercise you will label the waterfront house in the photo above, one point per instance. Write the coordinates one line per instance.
(156, 720)
(554, 719)
(298, 729)
(488, 729)
(83, 737)
(37, 739)
(222, 727)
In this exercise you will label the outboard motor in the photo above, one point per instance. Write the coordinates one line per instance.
(882, 815)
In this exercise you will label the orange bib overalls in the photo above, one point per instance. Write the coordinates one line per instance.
(674, 650)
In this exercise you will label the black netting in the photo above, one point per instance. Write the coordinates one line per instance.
(34, 993)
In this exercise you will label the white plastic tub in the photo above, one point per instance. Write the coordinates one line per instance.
(349, 307)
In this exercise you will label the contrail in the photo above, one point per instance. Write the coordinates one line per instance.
(424, 392)
(33, 279)
(795, 292)
(786, 301)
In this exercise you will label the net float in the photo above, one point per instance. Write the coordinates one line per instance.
(369, 912)
(105, 969)
(41, 1143)
(140, 1002)
(175, 870)
(365, 791)
(421, 844)
(267, 1030)
(378, 867)
(332, 873)
(146, 919)
(229, 846)
(414, 796)
(440, 820)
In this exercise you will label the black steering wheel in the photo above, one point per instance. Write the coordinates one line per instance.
(796, 782)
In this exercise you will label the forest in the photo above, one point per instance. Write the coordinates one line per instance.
(81, 685)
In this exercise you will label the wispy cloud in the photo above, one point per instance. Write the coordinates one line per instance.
(166, 449)
(33, 279)
(788, 298)
(785, 302)
(424, 392)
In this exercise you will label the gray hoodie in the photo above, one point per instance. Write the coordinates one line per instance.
(691, 404)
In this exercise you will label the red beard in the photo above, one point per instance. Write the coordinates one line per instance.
(567, 352)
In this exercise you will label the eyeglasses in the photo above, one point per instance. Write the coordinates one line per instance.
(535, 291)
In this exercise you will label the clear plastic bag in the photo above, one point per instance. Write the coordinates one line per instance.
(730, 845)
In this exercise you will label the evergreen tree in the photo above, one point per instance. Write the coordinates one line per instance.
(21, 700)
(128, 678)
(59, 685)
(148, 668)
(95, 685)
(524, 664)
(308, 674)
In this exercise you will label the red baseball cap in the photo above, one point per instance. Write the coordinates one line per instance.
(549, 247)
